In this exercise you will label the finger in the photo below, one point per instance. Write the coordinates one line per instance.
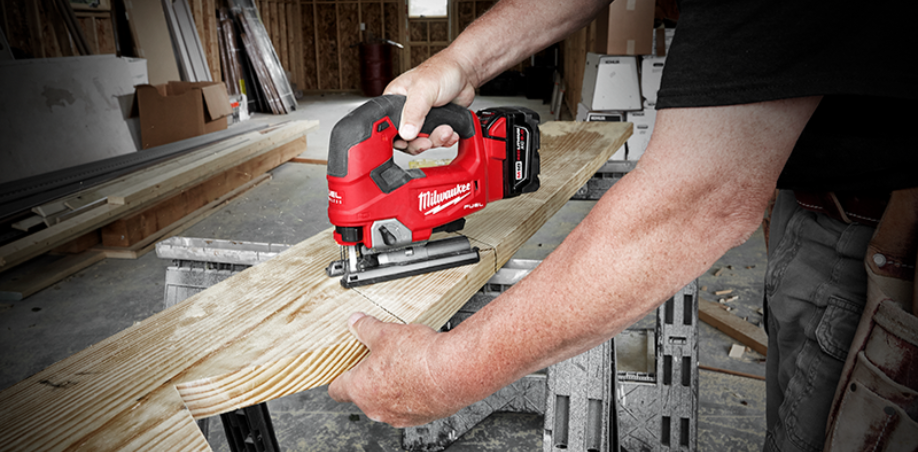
(454, 138)
(417, 105)
(419, 145)
(441, 136)
(365, 327)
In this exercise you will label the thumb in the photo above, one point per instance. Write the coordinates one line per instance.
(417, 105)
(365, 327)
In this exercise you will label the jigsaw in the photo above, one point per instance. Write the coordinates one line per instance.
(384, 215)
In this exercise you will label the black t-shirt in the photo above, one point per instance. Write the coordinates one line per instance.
(859, 55)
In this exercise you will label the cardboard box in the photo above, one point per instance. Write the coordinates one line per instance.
(651, 74)
(178, 110)
(625, 27)
(586, 115)
(611, 83)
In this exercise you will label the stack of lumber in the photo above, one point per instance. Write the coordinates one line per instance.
(125, 217)
(275, 329)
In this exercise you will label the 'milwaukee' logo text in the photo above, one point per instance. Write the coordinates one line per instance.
(432, 199)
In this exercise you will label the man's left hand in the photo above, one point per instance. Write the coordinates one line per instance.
(395, 383)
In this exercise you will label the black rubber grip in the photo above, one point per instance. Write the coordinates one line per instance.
(357, 126)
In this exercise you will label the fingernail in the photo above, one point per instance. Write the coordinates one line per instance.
(353, 319)
(408, 131)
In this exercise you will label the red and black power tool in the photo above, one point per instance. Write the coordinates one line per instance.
(384, 215)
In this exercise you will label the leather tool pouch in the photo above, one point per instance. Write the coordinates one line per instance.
(876, 402)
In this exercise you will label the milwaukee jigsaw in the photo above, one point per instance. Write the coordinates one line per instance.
(384, 215)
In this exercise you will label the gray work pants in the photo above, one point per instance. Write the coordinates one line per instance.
(816, 288)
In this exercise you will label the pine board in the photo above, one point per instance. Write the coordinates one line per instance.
(270, 331)
(733, 326)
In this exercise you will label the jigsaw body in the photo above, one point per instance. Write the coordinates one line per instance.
(384, 215)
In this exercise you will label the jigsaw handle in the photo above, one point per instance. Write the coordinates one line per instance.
(358, 126)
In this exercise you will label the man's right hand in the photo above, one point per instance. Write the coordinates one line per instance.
(436, 82)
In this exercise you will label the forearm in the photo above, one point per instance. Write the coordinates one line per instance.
(653, 232)
(515, 29)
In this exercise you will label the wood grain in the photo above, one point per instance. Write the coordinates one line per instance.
(273, 330)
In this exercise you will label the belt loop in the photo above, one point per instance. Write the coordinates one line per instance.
(838, 206)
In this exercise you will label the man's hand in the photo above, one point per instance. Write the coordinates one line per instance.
(436, 82)
(395, 384)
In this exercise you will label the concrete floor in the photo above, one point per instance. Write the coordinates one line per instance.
(114, 294)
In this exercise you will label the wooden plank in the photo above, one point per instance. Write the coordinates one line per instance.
(14, 253)
(309, 161)
(28, 223)
(177, 227)
(204, 167)
(50, 274)
(152, 40)
(145, 385)
(134, 229)
(93, 195)
(733, 326)
(211, 41)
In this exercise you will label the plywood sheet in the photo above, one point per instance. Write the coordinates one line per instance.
(372, 16)
(349, 34)
(439, 30)
(273, 330)
(152, 39)
(326, 22)
(310, 69)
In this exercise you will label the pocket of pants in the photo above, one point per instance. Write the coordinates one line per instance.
(876, 413)
(837, 326)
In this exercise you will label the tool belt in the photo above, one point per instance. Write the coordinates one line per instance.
(876, 402)
(847, 207)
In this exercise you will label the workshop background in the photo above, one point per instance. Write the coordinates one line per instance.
(157, 97)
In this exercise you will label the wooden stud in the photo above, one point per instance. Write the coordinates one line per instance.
(297, 14)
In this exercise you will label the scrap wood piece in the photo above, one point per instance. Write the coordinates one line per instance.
(155, 188)
(731, 372)
(733, 326)
(273, 330)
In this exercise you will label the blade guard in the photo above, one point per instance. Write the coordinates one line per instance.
(366, 186)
